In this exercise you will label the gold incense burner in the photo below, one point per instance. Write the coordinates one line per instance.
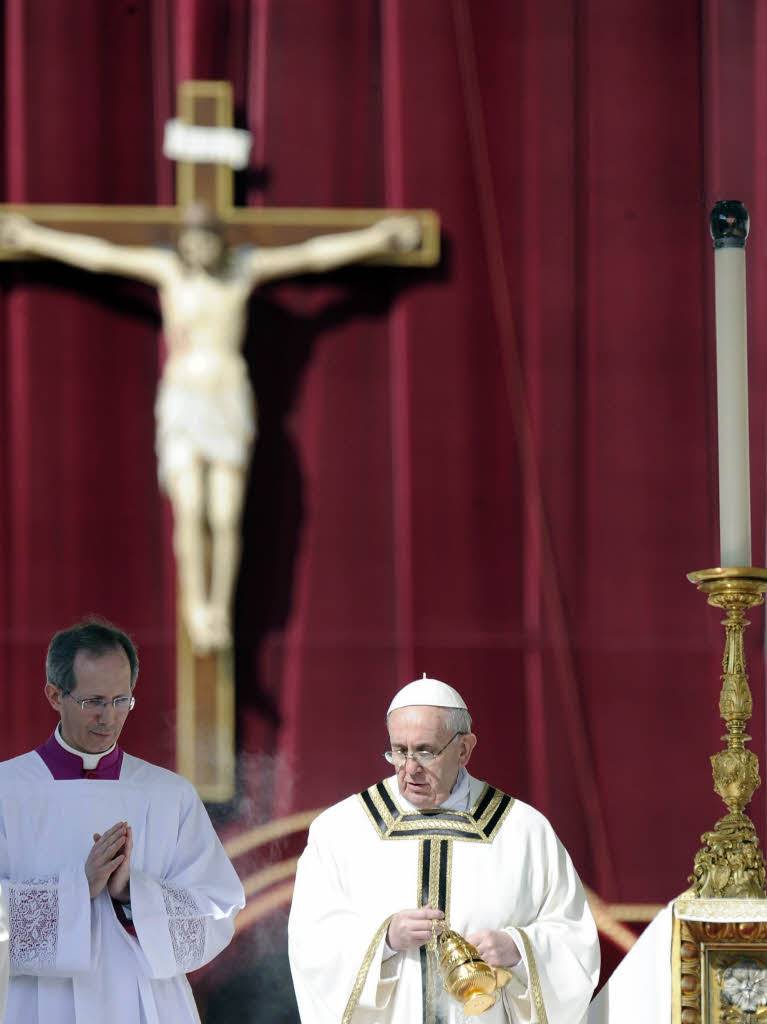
(466, 976)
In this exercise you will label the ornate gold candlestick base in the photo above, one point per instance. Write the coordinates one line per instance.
(731, 864)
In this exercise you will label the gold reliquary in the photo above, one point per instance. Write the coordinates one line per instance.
(719, 962)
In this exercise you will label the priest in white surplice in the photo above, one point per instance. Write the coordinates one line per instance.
(382, 869)
(115, 881)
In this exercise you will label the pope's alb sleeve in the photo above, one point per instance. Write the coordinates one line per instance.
(559, 946)
(335, 947)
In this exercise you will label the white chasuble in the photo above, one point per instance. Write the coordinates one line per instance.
(498, 866)
(71, 960)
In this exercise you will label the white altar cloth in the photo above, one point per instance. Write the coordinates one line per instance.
(639, 991)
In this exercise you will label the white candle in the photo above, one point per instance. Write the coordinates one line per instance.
(729, 228)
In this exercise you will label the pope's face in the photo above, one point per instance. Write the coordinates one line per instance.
(103, 675)
(423, 728)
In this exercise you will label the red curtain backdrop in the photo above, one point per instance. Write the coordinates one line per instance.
(497, 472)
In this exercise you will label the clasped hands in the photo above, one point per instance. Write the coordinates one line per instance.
(108, 863)
(410, 929)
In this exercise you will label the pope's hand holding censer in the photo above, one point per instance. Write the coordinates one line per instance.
(466, 976)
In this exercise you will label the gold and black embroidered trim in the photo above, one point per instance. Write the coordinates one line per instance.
(479, 825)
(435, 869)
(534, 979)
(378, 808)
(482, 804)
(362, 973)
(496, 815)
(435, 862)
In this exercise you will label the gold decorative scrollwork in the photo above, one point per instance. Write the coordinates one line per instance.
(731, 865)
(720, 969)
(689, 957)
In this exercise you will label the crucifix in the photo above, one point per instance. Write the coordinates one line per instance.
(205, 409)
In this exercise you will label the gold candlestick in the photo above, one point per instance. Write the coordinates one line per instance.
(731, 864)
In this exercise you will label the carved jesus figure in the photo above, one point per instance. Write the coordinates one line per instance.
(205, 409)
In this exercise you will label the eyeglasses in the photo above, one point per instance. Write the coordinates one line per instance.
(421, 757)
(98, 703)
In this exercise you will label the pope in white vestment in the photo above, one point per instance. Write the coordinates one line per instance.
(115, 881)
(453, 849)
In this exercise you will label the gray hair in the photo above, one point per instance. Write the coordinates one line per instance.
(456, 720)
(95, 637)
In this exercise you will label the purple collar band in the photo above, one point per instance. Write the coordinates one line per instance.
(63, 765)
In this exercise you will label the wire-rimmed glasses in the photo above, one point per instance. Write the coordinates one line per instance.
(93, 704)
(424, 758)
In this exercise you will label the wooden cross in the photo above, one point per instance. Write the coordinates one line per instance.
(205, 703)
(210, 104)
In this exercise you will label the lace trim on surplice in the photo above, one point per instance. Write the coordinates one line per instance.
(186, 926)
(33, 909)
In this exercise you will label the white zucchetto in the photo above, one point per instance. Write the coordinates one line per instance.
(428, 692)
